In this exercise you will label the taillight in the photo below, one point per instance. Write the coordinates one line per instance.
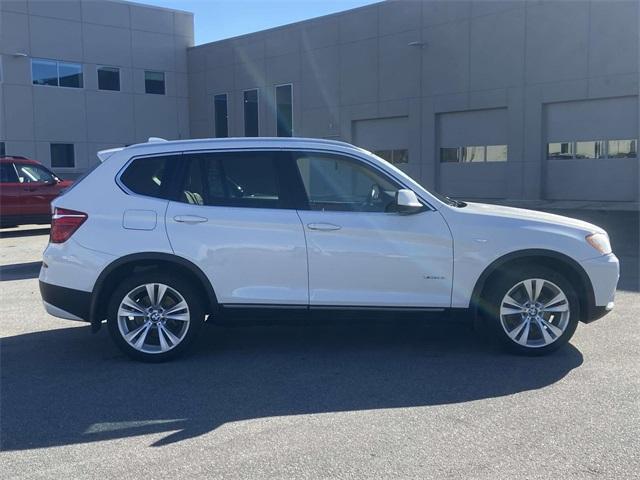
(64, 223)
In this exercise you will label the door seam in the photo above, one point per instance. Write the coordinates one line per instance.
(306, 245)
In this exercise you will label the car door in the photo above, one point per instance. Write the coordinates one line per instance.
(363, 253)
(232, 216)
(39, 187)
(10, 191)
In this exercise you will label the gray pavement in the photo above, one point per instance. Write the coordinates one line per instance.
(321, 401)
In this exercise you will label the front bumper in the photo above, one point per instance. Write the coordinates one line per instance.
(65, 302)
(603, 273)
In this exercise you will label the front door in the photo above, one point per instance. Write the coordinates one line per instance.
(363, 253)
(233, 218)
(39, 187)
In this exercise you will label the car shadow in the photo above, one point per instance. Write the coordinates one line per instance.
(32, 232)
(66, 386)
(19, 271)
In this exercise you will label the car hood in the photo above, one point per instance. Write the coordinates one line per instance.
(530, 215)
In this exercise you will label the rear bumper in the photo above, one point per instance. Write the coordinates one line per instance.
(65, 302)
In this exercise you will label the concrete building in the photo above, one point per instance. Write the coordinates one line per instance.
(529, 103)
(78, 76)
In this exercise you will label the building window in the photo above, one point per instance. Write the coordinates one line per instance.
(591, 149)
(62, 155)
(109, 78)
(397, 156)
(154, 82)
(221, 115)
(3, 151)
(496, 153)
(474, 154)
(70, 75)
(56, 74)
(560, 150)
(449, 155)
(251, 127)
(284, 110)
(623, 148)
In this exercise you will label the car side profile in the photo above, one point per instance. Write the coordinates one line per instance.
(26, 190)
(162, 236)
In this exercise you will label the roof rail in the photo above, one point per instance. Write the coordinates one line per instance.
(156, 140)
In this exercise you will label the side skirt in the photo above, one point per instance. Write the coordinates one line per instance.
(243, 313)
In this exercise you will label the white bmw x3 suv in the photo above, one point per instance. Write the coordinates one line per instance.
(163, 235)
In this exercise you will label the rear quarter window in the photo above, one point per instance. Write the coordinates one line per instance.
(148, 176)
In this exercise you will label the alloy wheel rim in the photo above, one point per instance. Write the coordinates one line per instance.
(153, 318)
(535, 313)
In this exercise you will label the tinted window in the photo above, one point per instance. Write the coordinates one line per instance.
(220, 112)
(154, 82)
(239, 179)
(62, 155)
(108, 78)
(7, 173)
(33, 174)
(284, 111)
(147, 176)
(336, 183)
(251, 113)
(70, 75)
(450, 155)
(44, 72)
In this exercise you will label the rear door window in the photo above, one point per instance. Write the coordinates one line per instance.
(8, 173)
(149, 176)
(236, 179)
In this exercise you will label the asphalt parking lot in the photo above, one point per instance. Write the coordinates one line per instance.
(320, 401)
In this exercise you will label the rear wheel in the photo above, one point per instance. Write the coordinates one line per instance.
(533, 310)
(154, 317)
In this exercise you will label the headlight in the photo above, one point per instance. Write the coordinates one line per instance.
(599, 241)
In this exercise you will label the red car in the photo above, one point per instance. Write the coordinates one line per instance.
(26, 190)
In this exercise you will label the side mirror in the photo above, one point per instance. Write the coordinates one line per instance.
(407, 201)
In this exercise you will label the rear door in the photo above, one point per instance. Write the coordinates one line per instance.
(10, 191)
(39, 188)
(233, 216)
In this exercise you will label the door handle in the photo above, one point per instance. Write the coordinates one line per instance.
(191, 219)
(325, 227)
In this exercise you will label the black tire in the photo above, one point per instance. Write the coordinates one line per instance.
(503, 284)
(180, 285)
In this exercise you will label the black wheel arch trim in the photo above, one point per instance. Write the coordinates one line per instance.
(588, 304)
(96, 319)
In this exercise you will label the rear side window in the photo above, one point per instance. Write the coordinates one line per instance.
(235, 179)
(8, 173)
(148, 176)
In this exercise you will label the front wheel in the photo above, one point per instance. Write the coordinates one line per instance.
(533, 310)
(154, 317)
